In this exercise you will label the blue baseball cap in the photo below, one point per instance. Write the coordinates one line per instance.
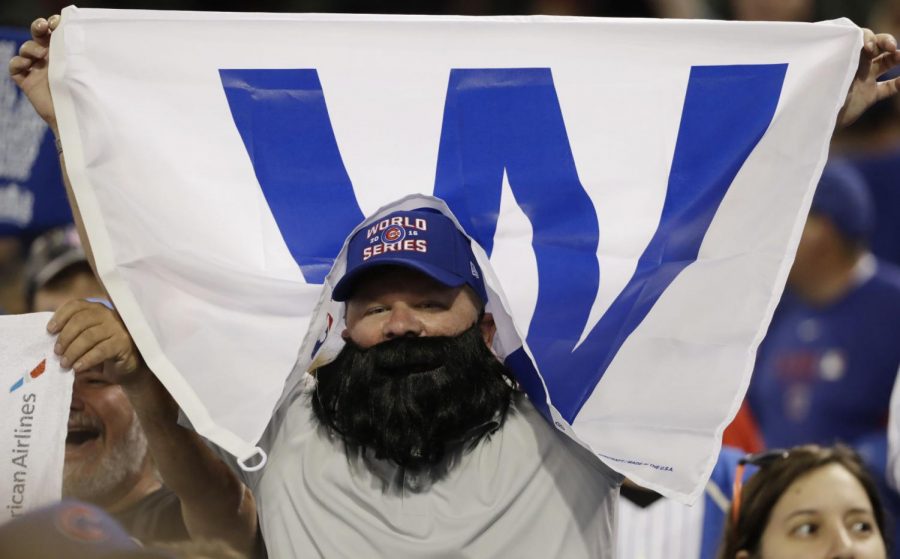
(70, 529)
(843, 197)
(424, 240)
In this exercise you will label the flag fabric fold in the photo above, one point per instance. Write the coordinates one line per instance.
(634, 189)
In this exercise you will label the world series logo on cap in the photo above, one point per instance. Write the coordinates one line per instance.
(393, 234)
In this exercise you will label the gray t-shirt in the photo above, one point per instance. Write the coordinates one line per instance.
(526, 491)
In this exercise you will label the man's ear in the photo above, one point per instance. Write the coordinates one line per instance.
(345, 334)
(742, 554)
(488, 328)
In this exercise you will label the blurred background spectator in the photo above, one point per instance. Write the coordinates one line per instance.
(76, 530)
(68, 529)
(825, 370)
(57, 270)
(12, 278)
(107, 462)
(32, 197)
(826, 367)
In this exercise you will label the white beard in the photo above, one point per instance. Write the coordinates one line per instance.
(95, 482)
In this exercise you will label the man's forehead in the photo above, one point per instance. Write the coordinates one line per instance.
(392, 279)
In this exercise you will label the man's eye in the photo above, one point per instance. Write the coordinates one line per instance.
(805, 530)
(432, 305)
(94, 381)
(374, 310)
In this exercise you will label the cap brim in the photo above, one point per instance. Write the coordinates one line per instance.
(344, 288)
(56, 266)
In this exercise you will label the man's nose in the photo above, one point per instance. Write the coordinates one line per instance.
(402, 321)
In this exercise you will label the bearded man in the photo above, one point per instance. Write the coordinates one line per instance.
(107, 462)
(414, 441)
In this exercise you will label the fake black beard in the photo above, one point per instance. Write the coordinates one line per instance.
(412, 399)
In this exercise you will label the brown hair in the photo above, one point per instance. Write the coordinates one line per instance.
(773, 479)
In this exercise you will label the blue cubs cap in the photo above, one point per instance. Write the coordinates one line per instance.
(423, 240)
(70, 529)
(843, 197)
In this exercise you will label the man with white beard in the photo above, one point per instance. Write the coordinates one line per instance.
(107, 461)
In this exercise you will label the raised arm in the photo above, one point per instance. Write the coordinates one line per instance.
(214, 502)
(29, 71)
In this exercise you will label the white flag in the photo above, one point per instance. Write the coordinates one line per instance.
(35, 411)
(637, 186)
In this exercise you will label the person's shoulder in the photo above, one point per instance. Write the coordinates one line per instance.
(534, 433)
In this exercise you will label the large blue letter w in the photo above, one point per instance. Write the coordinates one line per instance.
(509, 120)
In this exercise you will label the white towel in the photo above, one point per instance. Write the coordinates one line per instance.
(36, 396)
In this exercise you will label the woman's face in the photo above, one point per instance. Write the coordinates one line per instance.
(825, 513)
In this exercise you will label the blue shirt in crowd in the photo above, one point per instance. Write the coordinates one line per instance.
(825, 374)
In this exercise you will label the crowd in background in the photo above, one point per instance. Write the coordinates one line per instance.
(826, 369)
